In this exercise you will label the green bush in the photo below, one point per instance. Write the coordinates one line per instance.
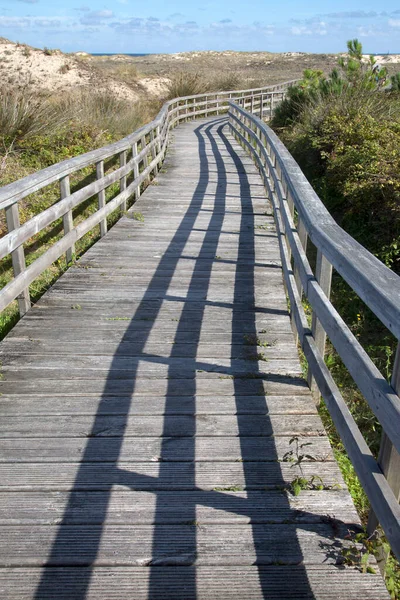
(187, 84)
(23, 114)
(226, 82)
(344, 131)
(298, 97)
(353, 76)
(104, 111)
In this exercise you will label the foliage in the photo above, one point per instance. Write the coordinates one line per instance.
(104, 111)
(186, 84)
(362, 548)
(395, 82)
(344, 131)
(230, 80)
(38, 131)
(298, 96)
(23, 114)
(353, 76)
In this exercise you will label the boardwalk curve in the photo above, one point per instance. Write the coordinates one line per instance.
(148, 403)
(154, 419)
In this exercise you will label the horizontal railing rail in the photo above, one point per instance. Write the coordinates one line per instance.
(293, 198)
(139, 156)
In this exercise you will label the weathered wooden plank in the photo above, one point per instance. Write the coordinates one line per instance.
(223, 476)
(117, 367)
(278, 350)
(200, 544)
(155, 405)
(314, 582)
(311, 582)
(114, 329)
(131, 507)
(224, 385)
(211, 449)
(166, 426)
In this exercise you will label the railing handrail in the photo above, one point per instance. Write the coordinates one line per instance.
(268, 88)
(17, 190)
(379, 287)
(139, 154)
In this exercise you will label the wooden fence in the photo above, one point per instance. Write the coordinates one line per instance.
(293, 200)
(139, 157)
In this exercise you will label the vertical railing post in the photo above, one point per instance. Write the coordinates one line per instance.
(145, 157)
(18, 258)
(158, 145)
(271, 105)
(136, 168)
(101, 196)
(252, 103)
(68, 222)
(303, 237)
(389, 462)
(261, 106)
(122, 181)
(323, 274)
(154, 151)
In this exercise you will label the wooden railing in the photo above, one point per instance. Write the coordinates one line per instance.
(293, 199)
(138, 157)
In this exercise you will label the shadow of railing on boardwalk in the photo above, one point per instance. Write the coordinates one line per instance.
(177, 544)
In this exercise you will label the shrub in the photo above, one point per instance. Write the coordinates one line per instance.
(395, 83)
(64, 68)
(226, 82)
(124, 71)
(103, 111)
(186, 84)
(298, 96)
(23, 114)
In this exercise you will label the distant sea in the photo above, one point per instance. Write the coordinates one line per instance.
(118, 54)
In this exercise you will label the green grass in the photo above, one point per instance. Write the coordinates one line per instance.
(39, 131)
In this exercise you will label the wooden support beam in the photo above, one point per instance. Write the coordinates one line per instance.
(154, 149)
(323, 274)
(68, 222)
(389, 462)
(136, 168)
(303, 236)
(145, 158)
(122, 181)
(101, 196)
(18, 258)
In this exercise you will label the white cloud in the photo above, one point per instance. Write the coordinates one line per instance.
(29, 22)
(314, 28)
(394, 22)
(96, 17)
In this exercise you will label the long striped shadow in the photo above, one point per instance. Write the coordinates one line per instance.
(185, 549)
(62, 548)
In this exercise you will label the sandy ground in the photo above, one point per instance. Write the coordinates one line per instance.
(135, 78)
(52, 71)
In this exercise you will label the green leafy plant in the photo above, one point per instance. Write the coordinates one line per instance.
(296, 455)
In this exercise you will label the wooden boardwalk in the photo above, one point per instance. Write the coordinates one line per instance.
(148, 403)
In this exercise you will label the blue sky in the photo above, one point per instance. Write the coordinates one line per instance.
(176, 25)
